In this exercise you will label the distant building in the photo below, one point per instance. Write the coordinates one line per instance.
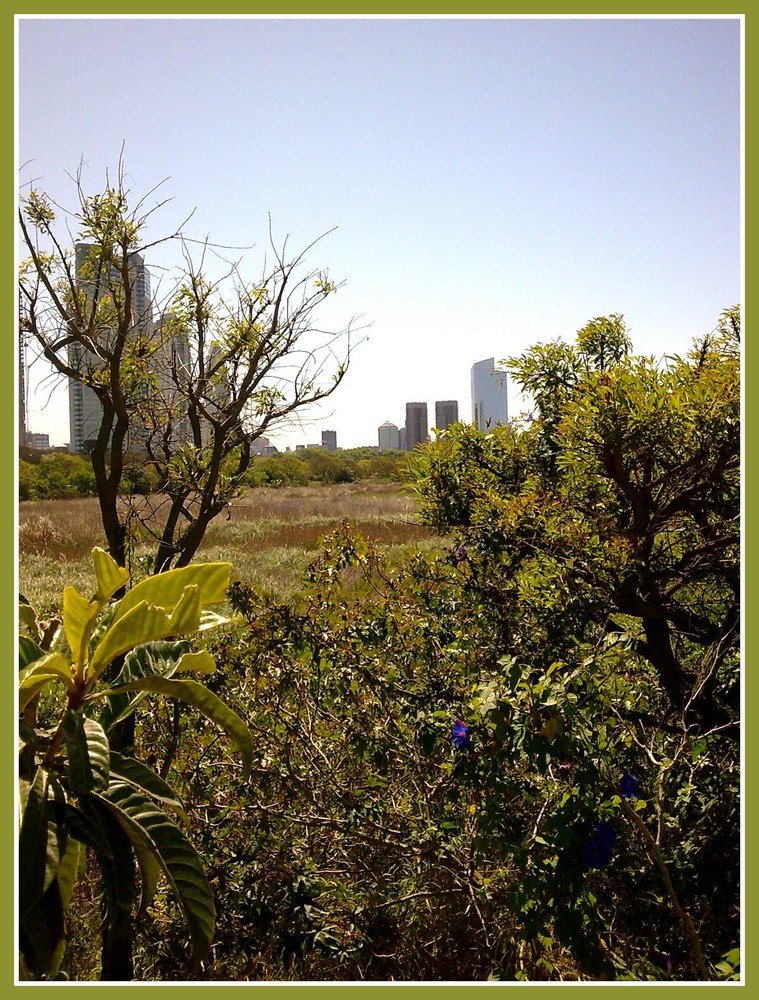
(40, 442)
(262, 447)
(417, 427)
(489, 397)
(329, 440)
(389, 437)
(22, 404)
(402, 438)
(85, 411)
(446, 413)
(172, 366)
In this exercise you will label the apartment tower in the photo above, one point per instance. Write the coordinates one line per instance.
(489, 398)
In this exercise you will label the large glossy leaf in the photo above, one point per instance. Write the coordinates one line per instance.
(28, 651)
(52, 666)
(165, 590)
(144, 623)
(208, 703)
(68, 870)
(146, 780)
(110, 576)
(151, 832)
(41, 837)
(116, 861)
(158, 657)
(42, 933)
(79, 616)
(27, 618)
(88, 753)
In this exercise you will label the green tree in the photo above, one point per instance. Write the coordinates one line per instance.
(78, 792)
(606, 539)
(226, 360)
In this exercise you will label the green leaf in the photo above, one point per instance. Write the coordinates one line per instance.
(143, 623)
(146, 780)
(27, 617)
(195, 694)
(52, 666)
(152, 833)
(42, 839)
(158, 657)
(110, 576)
(88, 753)
(28, 651)
(68, 870)
(84, 826)
(199, 663)
(42, 933)
(117, 865)
(79, 616)
(166, 589)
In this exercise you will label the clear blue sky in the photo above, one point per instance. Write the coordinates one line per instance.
(495, 182)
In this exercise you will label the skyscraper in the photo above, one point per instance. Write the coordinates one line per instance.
(489, 396)
(446, 413)
(417, 427)
(389, 437)
(329, 440)
(22, 403)
(85, 411)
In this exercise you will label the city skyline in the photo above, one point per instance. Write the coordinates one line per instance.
(584, 197)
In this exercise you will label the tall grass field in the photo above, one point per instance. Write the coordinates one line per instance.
(269, 535)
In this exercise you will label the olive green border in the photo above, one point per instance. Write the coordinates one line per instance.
(7, 495)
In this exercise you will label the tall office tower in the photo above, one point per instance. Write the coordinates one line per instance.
(172, 366)
(218, 392)
(85, 411)
(22, 403)
(389, 437)
(446, 413)
(329, 440)
(489, 396)
(417, 428)
(40, 442)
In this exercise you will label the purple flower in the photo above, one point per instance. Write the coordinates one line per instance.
(460, 735)
(598, 851)
(628, 786)
(461, 552)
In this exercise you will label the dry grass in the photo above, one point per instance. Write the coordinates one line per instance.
(269, 535)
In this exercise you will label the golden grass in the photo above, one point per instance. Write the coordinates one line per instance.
(269, 534)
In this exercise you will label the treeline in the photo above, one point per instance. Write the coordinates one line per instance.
(59, 475)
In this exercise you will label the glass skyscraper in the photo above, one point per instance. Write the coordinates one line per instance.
(489, 396)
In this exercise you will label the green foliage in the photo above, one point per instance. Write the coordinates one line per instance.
(511, 757)
(77, 791)
(315, 465)
(56, 477)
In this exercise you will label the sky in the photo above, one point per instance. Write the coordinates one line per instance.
(485, 184)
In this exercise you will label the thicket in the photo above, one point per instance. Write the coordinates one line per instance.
(56, 477)
(518, 759)
(60, 476)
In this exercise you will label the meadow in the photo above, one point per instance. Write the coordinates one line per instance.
(269, 534)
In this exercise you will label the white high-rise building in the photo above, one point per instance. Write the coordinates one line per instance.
(489, 396)
(85, 411)
(389, 437)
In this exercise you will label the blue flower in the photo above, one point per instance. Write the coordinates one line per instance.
(628, 786)
(460, 735)
(598, 851)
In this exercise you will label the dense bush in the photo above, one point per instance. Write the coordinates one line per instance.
(515, 760)
(56, 477)
(316, 465)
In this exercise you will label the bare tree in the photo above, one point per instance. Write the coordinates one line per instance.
(186, 387)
